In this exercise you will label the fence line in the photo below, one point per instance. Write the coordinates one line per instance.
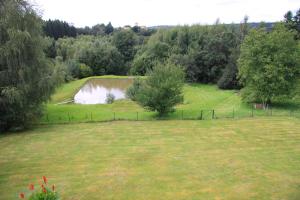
(204, 114)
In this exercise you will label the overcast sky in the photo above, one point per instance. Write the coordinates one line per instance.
(163, 12)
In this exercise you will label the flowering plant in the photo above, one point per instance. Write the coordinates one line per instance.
(43, 193)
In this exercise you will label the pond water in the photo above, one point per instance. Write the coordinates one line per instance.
(95, 91)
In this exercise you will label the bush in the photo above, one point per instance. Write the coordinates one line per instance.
(162, 90)
(110, 98)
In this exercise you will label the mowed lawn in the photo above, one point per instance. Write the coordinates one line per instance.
(254, 158)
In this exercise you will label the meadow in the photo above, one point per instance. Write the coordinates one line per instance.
(197, 98)
(254, 158)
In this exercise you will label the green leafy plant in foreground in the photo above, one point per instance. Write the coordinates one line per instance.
(43, 193)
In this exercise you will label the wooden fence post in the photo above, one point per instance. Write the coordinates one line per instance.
(213, 114)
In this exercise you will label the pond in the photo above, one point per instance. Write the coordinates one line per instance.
(95, 91)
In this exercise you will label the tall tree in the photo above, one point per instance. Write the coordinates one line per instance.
(269, 64)
(26, 76)
(229, 78)
(293, 21)
(58, 29)
(109, 29)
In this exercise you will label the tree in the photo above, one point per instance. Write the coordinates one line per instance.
(108, 29)
(59, 29)
(162, 90)
(103, 58)
(293, 22)
(27, 78)
(229, 78)
(148, 56)
(98, 29)
(268, 64)
(125, 42)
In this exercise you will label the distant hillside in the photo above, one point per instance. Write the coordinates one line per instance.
(269, 25)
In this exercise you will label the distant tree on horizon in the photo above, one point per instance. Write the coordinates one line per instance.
(59, 29)
(293, 21)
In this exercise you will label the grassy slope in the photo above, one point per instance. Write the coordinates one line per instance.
(221, 159)
(197, 97)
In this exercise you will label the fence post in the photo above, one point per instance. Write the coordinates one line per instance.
(137, 116)
(213, 114)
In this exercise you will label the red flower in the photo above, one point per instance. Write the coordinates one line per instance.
(22, 195)
(45, 179)
(31, 187)
(44, 190)
(53, 188)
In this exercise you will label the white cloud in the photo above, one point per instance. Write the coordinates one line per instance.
(163, 12)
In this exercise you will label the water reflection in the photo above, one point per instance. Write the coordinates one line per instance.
(95, 90)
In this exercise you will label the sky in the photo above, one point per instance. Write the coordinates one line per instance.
(163, 12)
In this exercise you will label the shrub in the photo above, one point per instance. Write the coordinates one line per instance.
(110, 98)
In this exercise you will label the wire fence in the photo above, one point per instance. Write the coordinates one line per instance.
(204, 114)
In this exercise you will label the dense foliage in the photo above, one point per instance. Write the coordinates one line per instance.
(269, 64)
(162, 89)
(27, 78)
(208, 53)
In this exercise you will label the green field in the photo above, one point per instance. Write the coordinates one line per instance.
(197, 97)
(254, 158)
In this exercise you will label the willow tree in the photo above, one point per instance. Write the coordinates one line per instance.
(27, 78)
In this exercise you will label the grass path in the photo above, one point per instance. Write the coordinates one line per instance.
(221, 159)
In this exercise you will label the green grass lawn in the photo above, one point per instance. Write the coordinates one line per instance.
(253, 158)
(197, 97)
